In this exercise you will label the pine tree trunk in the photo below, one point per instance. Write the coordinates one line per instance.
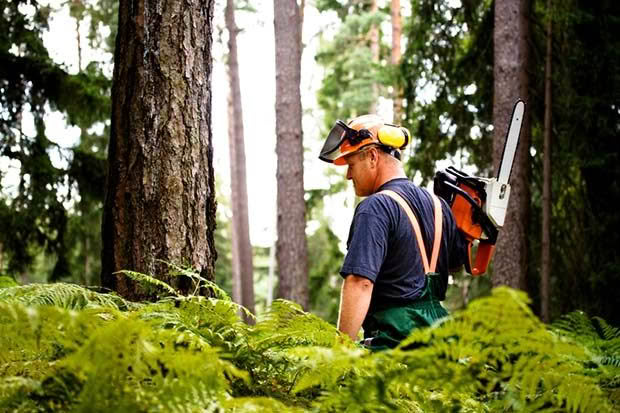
(242, 268)
(374, 50)
(397, 105)
(546, 215)
(160, 199)
(291, 245)
(510, 38)
(85, 279)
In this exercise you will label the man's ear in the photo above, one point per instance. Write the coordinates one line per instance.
(374, 155)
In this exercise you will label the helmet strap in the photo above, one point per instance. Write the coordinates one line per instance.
(391, 151)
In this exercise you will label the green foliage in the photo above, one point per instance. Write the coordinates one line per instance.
(6, 281)
(69, 296)
(447, 71)
(586, 167)
(350, 73)
(88, 353)
(53, 209)
(325, 261)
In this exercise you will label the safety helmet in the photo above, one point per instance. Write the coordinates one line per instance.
(345, 139)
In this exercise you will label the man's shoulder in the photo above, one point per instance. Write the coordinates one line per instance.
(378, 203)
(404, 187)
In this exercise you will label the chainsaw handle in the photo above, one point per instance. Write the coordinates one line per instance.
(483, 258)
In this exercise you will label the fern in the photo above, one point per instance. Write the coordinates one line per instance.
(66, 348)
(286, 325)
(149, 281)
(199, 282)
(62, 295)
(594, 333)
(6, 281)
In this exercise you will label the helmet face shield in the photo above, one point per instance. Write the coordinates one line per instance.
(342, 140)
(337, 135)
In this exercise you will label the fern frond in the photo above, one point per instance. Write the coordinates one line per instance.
(576, 324)
(70, 296)
(147, 280)
(607, 331)
(215, 321)
(199, 281)
(150, 367)
(46, 333)
(286, 325)
(14, 393)
(6, 281)
(325, 367)
(258, 404)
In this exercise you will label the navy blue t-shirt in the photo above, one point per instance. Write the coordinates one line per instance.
(383, 247)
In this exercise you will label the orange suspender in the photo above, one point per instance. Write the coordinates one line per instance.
(416, 228)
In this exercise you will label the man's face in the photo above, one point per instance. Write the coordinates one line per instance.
(361, 172)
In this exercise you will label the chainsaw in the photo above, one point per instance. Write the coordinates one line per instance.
(479, 204)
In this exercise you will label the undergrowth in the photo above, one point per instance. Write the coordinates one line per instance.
(68, 348)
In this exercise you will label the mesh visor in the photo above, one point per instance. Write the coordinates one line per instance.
(335, 138)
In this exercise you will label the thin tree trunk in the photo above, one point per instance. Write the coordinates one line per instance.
(302, 10)
(397, 105)
(546, 216)
(270, 275)
(85, 276)
(160, 200)
(374, 49)
(242, 267)
(78, 21)
(511, 51)
(291, 244)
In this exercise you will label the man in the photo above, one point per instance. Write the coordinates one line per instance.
(389, 287)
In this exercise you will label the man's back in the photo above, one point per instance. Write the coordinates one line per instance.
(383, 248)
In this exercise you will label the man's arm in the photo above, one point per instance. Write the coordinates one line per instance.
(354, 303)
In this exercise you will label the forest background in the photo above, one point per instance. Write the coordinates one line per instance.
(53, 187)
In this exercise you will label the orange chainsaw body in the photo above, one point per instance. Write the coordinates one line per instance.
(466, 196)
(464, 216)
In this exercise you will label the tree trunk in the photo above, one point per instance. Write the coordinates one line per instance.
(397, 105)
(160, 199)
(291, 245)
(510, 40)
(85, 279)
(78, 21)
(374, 50)
(546, 215)
(242, 268)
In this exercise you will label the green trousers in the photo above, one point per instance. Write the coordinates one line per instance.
(386, 328)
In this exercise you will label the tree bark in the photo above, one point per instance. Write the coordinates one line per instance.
(546, 215)
(242, 267)
(374, 50)
(160, 199)
(510, 38)
(291, 245)
(397, 105)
